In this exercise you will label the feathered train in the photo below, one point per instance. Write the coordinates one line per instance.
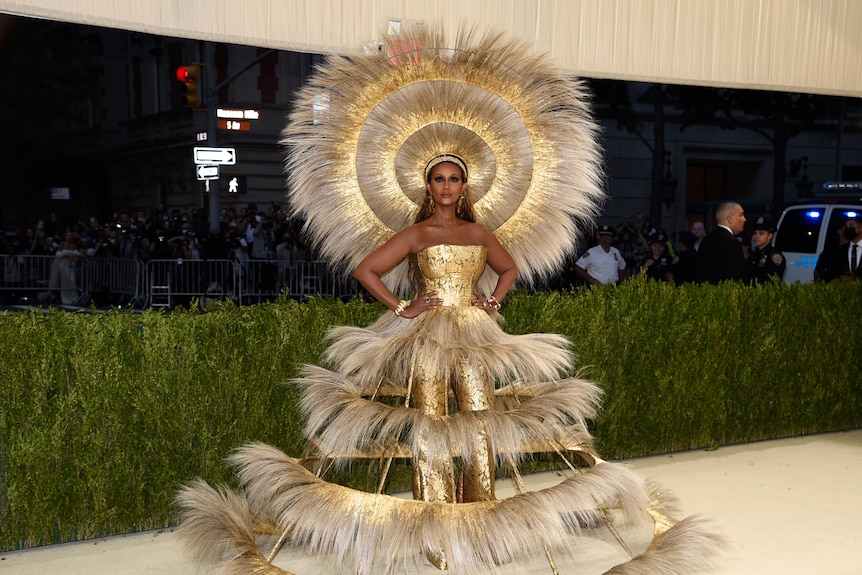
(354, 531)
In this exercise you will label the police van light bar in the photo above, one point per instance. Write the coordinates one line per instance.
(842, 186)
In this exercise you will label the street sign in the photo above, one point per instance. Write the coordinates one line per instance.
(225, 156)
(236, 125)
(207, 172)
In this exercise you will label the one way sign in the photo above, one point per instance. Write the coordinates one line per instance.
(225, 156)
(207, 172)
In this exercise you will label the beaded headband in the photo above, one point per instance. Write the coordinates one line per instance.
(446, 158)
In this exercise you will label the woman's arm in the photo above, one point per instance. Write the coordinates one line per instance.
(380, 261)
(504, 266)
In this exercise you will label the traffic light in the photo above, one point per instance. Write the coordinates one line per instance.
(191, 76)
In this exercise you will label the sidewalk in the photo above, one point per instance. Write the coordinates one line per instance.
(788, 507)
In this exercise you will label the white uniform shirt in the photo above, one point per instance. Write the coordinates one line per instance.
(602, 265)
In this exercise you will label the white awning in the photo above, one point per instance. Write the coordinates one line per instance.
(810, 46)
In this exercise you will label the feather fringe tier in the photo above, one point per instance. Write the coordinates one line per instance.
(344, 424)
(386, 350)
(362, 532)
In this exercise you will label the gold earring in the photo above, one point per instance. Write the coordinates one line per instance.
(459, 206)
(431, 202)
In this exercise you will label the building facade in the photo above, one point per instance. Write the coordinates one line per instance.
(662, 163)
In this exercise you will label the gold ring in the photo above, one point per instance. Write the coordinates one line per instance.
(427, 299)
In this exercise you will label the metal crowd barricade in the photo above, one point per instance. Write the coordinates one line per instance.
(259, 281)
(83, 281)
(177, 282)
(24, 276)
(44, 279)
(124, 282)
(78, 281)
(265, 280)
(314, 278)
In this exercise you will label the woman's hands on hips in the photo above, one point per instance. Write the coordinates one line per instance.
(422, 303)
(480, 302)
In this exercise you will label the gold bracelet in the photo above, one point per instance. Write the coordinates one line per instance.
(493, 303)
(402, 305)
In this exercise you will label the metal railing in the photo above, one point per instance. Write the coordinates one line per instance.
(44, 278)
(81, 281)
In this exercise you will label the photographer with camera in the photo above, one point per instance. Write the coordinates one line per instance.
(237, 245)
(106, 246)
(261, 248)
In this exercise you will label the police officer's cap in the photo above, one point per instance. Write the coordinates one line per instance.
(763, 223)
(607, 230)
(658, 238)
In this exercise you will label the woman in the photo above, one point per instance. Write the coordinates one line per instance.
(62, 276)
(444, 341)
(385, 389)
(445, 228)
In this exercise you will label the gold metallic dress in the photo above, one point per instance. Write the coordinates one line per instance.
(445, 360)
(469, 398)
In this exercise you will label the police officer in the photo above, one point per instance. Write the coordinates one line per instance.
(765, 261)
(658, 265)
(602, 264)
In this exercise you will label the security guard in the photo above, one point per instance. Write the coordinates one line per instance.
(602, 264)
(658, 266)
(765, 261)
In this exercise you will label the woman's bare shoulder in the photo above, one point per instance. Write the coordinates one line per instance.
(479, 233)
(410, 238)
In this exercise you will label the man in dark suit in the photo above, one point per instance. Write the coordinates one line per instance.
(842, 261)
(720, 256)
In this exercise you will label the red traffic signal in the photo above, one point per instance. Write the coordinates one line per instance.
(190, 76)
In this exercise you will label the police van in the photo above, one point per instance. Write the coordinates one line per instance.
(807, 228)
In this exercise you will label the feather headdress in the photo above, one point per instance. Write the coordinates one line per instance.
(365, 126)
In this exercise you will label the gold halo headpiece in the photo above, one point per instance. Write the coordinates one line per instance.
(364, 126)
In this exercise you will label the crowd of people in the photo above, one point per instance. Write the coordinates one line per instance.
(57, 244)
(607, 255)
(689, 256)
(160, 233)
(695, 256)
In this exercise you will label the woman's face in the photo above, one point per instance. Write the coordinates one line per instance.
(657, 250)
(446, 183)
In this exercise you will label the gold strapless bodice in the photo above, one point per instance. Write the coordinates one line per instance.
(452, 270)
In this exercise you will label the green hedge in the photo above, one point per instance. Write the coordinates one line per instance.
(702, 366)
(102, 416)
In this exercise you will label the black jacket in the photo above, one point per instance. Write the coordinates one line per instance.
(720, 257)
(765, 263)
(834, 262)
